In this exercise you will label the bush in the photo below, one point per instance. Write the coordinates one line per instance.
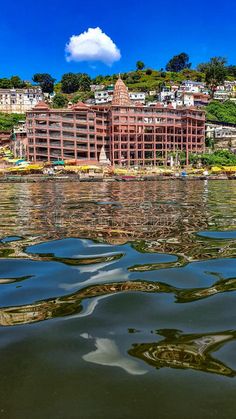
(218, 158)
(222, 112)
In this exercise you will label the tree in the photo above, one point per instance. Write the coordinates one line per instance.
(5, 83)
(98, 79)
(178, 63)
(140, 65)
(17, 83)
(71, 82)
(202, 67)
(46, 82)
(84, 82)
(231, 70)
(215, 72)
(59, 101)
(148, 71)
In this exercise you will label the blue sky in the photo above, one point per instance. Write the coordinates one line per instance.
(33, 34)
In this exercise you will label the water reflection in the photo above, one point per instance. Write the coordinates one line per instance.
(104, 259)
(157, 216)
(185, 351)
(107, 353)
(75, 303)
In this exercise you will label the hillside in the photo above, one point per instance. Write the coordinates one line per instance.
(221, 111)
(8, 121)
(148, 79)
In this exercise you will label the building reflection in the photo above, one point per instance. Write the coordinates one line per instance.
(74, 303)
(166, 214)
(182, 351)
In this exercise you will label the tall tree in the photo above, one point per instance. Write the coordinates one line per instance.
(140, 65)
(215, 72)
(84, 82)
(178, 63)
(69, 83)
(73, 82)
(45, 80)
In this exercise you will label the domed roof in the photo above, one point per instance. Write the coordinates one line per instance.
(121, 94)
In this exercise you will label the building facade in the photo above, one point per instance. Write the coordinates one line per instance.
(19, 100)
(130, 134)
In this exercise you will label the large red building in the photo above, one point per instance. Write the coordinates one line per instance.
(130, 134)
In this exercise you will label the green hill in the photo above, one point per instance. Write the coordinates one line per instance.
(221, 111)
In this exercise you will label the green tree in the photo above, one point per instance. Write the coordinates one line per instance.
(148, 71)
(59, 101)
(178, 63)
(215, 72)
(17, 83)
(202, 67)
(98, 79)
(140, 65)
(72, 82)
(45, 80)
(84, 82)
(231, 70)
(5, 83)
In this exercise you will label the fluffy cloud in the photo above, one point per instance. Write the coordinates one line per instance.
(93, 45)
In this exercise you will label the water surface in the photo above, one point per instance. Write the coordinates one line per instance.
(118, 300)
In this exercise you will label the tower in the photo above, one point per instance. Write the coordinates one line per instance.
(121, 94)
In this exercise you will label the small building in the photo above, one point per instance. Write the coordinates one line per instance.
(224, 136)
(18, 143)
(191, 86)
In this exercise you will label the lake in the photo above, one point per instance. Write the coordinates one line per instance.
(118, 300)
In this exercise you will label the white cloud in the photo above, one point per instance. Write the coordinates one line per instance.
(93, 45)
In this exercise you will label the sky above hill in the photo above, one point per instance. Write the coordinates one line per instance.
(103, 37)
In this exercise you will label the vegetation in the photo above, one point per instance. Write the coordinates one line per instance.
(12, 82)
(215, 73)
(82, 97)
(178, 63)
(218, 158)
(45, 81)
(72, 82)
(140, 65)
(221, 111)
(59, 101)
(8, 121)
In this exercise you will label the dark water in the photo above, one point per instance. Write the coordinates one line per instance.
(118, 300)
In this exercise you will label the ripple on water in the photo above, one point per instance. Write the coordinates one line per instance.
(148, 306)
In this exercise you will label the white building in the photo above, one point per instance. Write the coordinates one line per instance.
(19, 100)
(138, 97)
(102, 96)
(192, 86)
(166, 95)
(106, 96)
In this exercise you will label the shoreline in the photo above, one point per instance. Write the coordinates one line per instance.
(72, 178)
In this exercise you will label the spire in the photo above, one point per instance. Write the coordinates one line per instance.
(121, 94)
(103, 157)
